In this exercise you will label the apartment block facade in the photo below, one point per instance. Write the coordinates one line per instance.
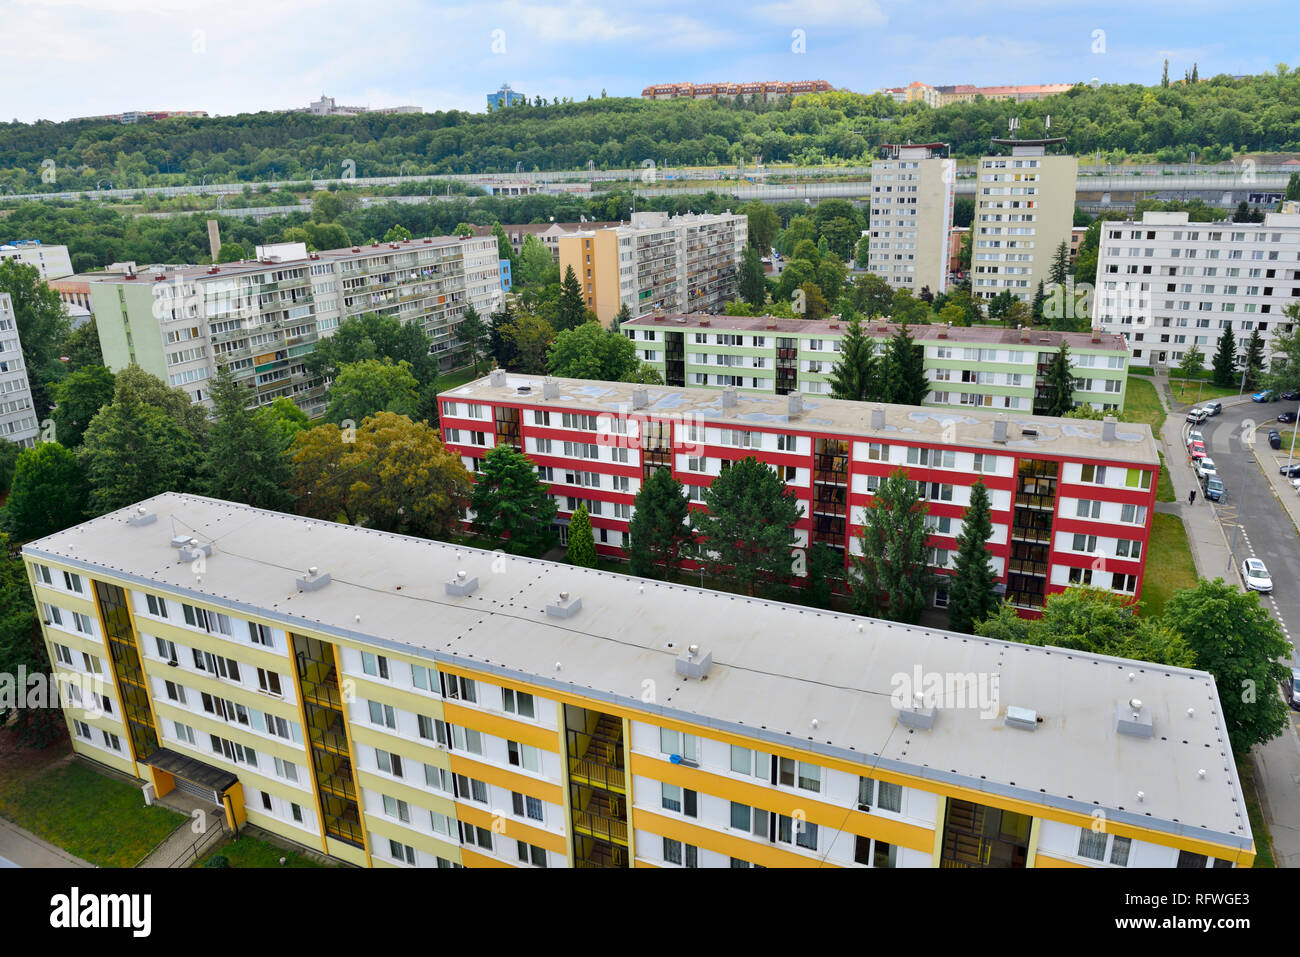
(1024, 210)
(911, 217)
(263, 317)
(51, 261)
(688, 263)
(480, 714)
(1167, 284)
(970, 367)
(18, 423)
(1072, 500)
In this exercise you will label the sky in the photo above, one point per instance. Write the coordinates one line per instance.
(90, 57)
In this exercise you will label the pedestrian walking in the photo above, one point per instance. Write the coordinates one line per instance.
(1191, 496)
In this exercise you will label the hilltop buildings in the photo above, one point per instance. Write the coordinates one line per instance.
(18, 423)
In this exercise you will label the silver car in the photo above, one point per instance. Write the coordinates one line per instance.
(1256, 576)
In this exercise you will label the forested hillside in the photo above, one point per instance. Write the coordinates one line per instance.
(1214, 117)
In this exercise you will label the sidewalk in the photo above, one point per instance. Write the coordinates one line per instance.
(1270, 461)
(27, 850)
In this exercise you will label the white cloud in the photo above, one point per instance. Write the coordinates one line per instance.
(826, 13)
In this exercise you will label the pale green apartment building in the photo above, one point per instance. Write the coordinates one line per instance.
(980, 366)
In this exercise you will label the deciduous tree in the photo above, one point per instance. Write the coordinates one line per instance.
(48, 492)
(582, 546)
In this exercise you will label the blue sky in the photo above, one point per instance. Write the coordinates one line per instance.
(88, 57)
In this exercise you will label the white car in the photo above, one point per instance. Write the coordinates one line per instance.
(1256, 576)
(1194, 436)
(1205, 468)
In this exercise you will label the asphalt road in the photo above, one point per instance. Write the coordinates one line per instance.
(1254, 521)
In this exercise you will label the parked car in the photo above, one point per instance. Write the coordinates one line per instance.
(1290, 471)
(1286, 417)
(1214, 408)
(1194, 436)
(1214, 490)
(1197, 450)
(1292, 395)
(1274, 439)
(1205, 468)
(1197, 415)
(1268, 395)
(1291, 686)
(1295, 484)
(1256, 576)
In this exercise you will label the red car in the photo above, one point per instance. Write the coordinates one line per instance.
(1197, 450)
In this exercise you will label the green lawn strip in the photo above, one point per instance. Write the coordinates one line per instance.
(1263, 840)
(1191, 391)
(1164, 487)
(1169, 564)
(1141, 404)
(87, 814)
(458, 377)
(245, 851)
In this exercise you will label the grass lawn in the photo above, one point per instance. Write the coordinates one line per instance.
(458, 377)
(1263, 840)
(1186, 390)
(1165, 487)
(1169, 564)
(245, 851)
(87, 814)
(1141, 404)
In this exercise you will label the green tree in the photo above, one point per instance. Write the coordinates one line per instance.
(1193, 363)
(582, 546)
(472, 333)
(906, 308)
(1235, 639)
(1293, 186)
(873, 296)
(462, 229)
(132, 451)
(326, 207)
(372, 385)
(799, 228)
(623, 315)
(328, 235)
(659, 533)
(970, 590)
(284, 419)
(80, 396)
(862, 252)
(892, 576)
(134, 385)
(903, 371)
(1059, 383)
(9, 452)
(1059, 271)
(42, 328)
(1225, 361)
(231, 252)
(573, 311)
(841, 236)
(374, 336)
(753, 284)
(763, 224)
(82, 347)
(244, 460)
(504, 250)
(747, 534)
(824, 573)
(22, 650)
(1035, 309)
(590, 352)
(394, 475)
(536, 266)
(856, 375)
(1253, 361)
(48, 492)
(397, 234)
(511, 504)
(809, 295)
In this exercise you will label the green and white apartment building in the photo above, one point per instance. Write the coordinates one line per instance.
(980, 366)
(400, 702)
(262, 317)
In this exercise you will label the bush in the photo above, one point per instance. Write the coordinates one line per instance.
(220, 860)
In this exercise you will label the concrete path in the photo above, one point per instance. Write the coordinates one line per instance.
(25, 849)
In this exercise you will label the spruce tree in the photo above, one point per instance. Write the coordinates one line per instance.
(659, 533)
(572, 311)
(856, 374)
(892, 577)
(1225, 361)
(1060, 269)
(747, 534)
(623, 315)
(509, 499)
(243, 461)
(970, 592)
(904, 371)
(1253, 361)
(1039, 298)
(753, 284)
(1060, 383)
(582, 544)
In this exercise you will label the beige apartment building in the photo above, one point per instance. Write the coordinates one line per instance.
(1024, 210)
(680, 264)
(911, 216)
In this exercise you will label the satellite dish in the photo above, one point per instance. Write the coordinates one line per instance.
(1094, 83)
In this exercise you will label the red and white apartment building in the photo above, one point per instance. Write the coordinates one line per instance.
(1072, 499)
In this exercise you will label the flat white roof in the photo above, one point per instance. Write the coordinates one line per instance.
(776, 667)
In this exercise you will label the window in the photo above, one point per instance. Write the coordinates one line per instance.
(397, 809)
(175, 692)
(531, 854)
(466, 739)
(472, 834)
(383, 714)
(684, 745)
(1093, 474)
(1088, 509)
(63, 654)
(1133, 514)
(72, 582)
(114, 742)
(374, 665)
(888, 797)
(675, 798)
(268, 681)
(460, 689)
(184, 732)
(260, 635)
(401, 852)
(1128, 548)
(1093, 845)
(82, 729)
(471, 788)
(523, 756)
(42, 574)
(209, 621)
(389, 763)
(526, 806)
(1138, 478)
(438, 778)
(166, 649)
(286, 769)
(745, 761)
(296, 811)
(673, 853)
(874, 853)
(876, 452)
(82, 623)
(1085, 543)
(216, 665)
